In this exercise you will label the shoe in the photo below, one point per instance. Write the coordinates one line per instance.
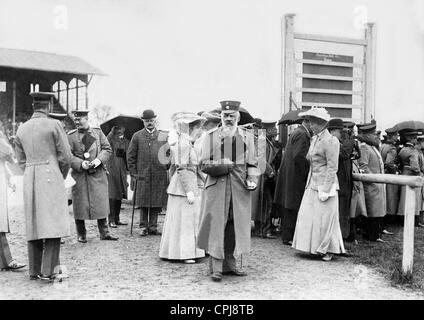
(143, 232)
(109, 237)
(112, 225)
(287, 242)
(155, 232)
(387, 232)
(380, 240)
(82, 239)
(189, 261)
(62, 241)
(327, 257)
(14, 266)
(235, 272)
(121, 223)
(347, 255)
(34, 277)
(216, 276)
(270, 236)
(45, 277)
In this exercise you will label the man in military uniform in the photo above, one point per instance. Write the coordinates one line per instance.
(148, 162)
(43, 151)
(229, 160)
(91, 150)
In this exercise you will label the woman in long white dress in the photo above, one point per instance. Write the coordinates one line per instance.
(318, 228)
(180, 228)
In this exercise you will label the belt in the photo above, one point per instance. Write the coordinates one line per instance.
(37, 163)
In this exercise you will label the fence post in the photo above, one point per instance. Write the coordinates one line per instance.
(408, 232)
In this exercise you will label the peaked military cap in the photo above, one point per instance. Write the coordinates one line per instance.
(348, 124)
(41, 96)
(268, 124)
(391, 130)
(80, 113)
(229, 105)
(58, 116)
(366, 127)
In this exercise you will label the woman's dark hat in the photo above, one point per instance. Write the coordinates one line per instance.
(335, 124)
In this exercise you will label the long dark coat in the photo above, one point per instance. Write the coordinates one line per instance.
(344, 175)
(293, 172)
(220, 191)
(389, 155)
(90, 194)
(117, 167)
(43, 152)
(148, 159)
(375, 193)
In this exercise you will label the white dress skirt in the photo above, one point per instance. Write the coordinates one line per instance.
(317, 227)
(179, 233)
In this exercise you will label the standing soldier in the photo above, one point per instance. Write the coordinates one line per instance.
(43, 151)
(90, 195)
(389, 153)
(228, 158)
(148, 162)
(117, 166)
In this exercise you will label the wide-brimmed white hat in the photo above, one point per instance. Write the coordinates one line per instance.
(186, 117)
(316, 112)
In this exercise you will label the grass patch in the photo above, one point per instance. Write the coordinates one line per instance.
(387, 257)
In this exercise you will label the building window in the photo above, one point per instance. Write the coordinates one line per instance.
(2, 86)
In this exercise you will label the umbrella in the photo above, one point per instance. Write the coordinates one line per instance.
(132, 124)
(245, 116)
(410, 125)
(291, 117)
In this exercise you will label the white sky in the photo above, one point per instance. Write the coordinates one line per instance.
(187, 55)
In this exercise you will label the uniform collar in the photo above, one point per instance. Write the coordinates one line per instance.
(151, 132)
(39, 114)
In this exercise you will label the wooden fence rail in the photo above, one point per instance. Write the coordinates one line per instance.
(411, 182)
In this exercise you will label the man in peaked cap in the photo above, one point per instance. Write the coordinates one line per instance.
(91, 151)
(229, 160)
(43, 152)
(375, 193)
(148, 161)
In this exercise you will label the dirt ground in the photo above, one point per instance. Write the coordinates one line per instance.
(131, 269)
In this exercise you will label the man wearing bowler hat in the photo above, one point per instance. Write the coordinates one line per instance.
(43, 151)
(148, 162)
(229, 160)
(91, 151)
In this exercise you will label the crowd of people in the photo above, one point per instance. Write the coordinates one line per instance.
(214, 177)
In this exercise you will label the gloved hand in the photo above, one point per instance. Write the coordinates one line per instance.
(85, 165)
(95, 163)
(190, 197)
(323, 196)
(251, 185)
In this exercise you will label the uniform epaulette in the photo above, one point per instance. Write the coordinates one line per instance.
(72, 131)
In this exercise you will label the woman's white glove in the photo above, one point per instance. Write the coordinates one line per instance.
(322, 196)
(190, 197)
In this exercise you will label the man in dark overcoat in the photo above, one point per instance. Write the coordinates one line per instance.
(90, 196)
(230, 162)
(291, 180)
(43, 152)
(148, 162)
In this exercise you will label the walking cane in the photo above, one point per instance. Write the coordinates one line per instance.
(133, 208)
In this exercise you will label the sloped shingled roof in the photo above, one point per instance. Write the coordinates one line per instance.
(51, 62)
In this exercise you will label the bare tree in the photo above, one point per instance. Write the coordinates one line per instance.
(100, 113)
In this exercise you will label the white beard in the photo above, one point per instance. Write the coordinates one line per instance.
(228, 131)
